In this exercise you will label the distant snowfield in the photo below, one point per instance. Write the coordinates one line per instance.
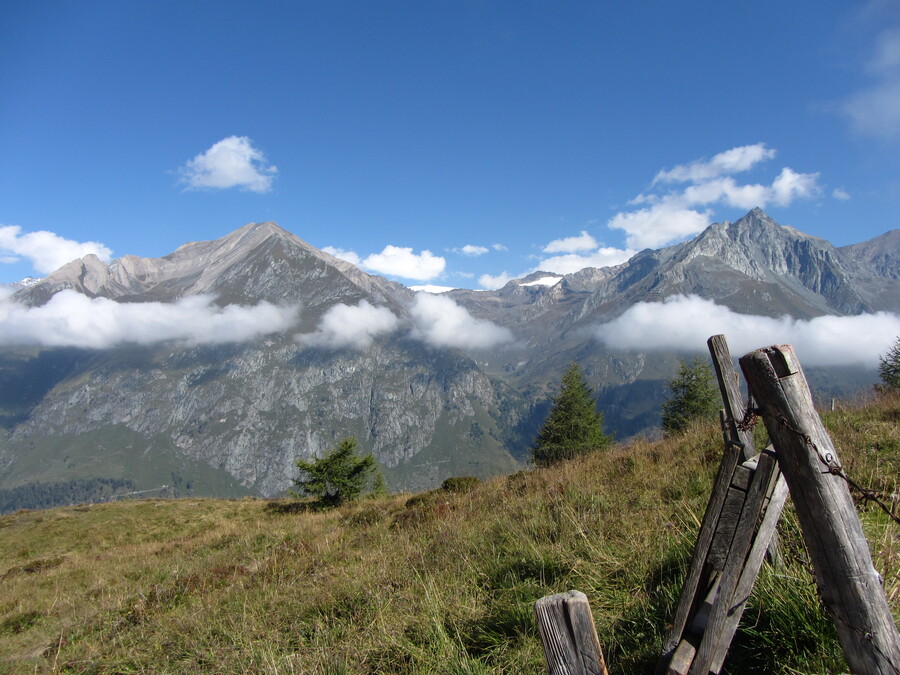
(543, 281)
(430, 288)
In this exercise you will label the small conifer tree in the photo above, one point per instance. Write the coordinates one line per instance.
(693, 394)
(337, 477)
(574, 426)
(889, 367)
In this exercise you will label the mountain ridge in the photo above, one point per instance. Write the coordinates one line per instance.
(425, 410)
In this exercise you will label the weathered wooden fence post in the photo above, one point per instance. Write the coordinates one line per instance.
(568, 635)
(848, 583)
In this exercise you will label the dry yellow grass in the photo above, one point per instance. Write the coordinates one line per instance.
(434, 583)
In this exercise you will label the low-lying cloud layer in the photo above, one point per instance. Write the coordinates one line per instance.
(46, 251)
(440, 322)
(353, 326)
(435, 320)
(232, 162)
(73, 320)
(683, 323)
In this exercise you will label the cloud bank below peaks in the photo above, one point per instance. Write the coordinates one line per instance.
(350, 326)
(684, 323)
(440, 322)
(435, 320)
(669, 214)
(71, 319)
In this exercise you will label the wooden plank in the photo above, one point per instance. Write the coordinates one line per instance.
(848, 583)
(734, 565)
(568, 635)
(729, 385)
(682, 658)
(728, 522)
(698, 574)
(741, 477)
(764, 536)
(701, 618)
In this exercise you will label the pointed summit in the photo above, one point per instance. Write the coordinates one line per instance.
(256, 262)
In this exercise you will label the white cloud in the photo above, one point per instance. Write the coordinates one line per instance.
(232, 162)
(874, 110)
(684, 323)
(349, 256)
(46, 251)
(492, 283)
(471, 250)
(351, 326)
(790, 185)
(572, 262)
(74, 320)
(440, 322)
(659, 225)
(734, 160)
(402, 262)
(499, 247)
(841, 194)
(674, 215)
(583, 242)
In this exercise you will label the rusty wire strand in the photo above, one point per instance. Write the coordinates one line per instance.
(752, 416)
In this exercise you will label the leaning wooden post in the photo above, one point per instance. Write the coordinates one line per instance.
(848, 583)
(568, 635)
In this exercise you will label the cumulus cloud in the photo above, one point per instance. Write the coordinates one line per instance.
(731, 161)
(349, 256)
(841, 194)
(659, 224)
(666, 216)
(572, 262)
(402, 262)
(351, 326)
(232, 162)
(492, 283)
(74, 320)
(46, 251)
(499, 247)
(440, 322)
(583, 242)
(875, 109)
(473, 251)
(683, 323)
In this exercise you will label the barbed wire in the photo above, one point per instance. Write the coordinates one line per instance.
(753, 414)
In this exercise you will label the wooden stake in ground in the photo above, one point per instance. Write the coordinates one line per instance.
(568, 635)
(848, 583)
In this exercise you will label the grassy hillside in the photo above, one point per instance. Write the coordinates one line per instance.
(439, 582)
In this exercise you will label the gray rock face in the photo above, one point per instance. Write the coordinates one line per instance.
(250, 409)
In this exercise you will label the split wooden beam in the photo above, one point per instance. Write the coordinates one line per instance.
(568, 635)
(738, 526)
(848, 583)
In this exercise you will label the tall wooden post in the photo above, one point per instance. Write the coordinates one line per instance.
(848, 583)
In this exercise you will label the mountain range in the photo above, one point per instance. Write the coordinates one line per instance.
(434, 386)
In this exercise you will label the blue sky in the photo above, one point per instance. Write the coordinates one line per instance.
(498, 137)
